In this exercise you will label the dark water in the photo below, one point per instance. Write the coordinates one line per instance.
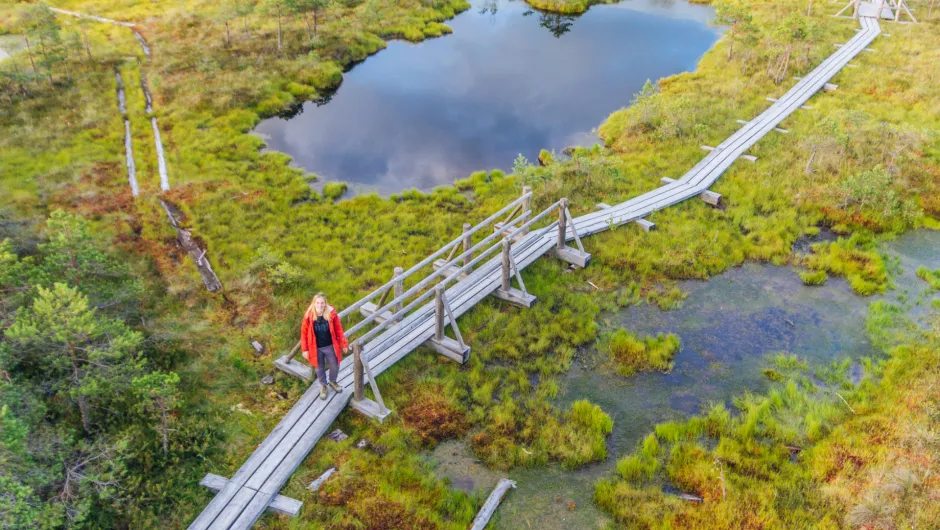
(729, 326)
(509, 80)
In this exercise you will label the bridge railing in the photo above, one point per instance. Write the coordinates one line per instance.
(512, 214)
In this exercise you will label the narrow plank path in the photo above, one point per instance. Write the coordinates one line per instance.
(253, 487)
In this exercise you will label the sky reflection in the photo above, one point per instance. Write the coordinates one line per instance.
(509, 80)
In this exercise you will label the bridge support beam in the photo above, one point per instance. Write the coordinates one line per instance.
(375, 410)
(578, 258)
(711, 198)
(517, 297)
(280, 503)
(455, 350)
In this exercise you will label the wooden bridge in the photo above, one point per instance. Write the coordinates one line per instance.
(457, 283)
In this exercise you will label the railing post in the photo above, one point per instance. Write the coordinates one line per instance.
(359, 392)
(439, 313)
(399, 288)
(293, 353)
(467, 244)
(506, 271)
(526, 208)
(562, 222)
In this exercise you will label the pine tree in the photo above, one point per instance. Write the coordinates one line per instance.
(82, 356)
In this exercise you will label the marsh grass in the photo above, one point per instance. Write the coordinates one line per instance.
(796, 455)
(631, 354)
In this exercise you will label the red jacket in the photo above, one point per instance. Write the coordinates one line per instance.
(308, 342)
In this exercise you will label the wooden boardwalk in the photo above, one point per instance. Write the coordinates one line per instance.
(244, 497)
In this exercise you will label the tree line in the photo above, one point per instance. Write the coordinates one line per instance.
(89, 407)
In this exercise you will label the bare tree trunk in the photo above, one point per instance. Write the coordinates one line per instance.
(307, 23)
(884, 140)
(76, 379)
(809, 10)
(245, 25)
(45, 57)
(930, 9)
(316, 15)
(68, 71)
(279, 40)
(29, 52)
(731, 46)
(87, 48)
(782, 73)
(228, 35)
(809, 163)
(165, 427)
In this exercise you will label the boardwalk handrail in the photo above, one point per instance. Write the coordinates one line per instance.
(522, 202)
(426, 261)
(456, 273)
(424, 283)
(449, 264)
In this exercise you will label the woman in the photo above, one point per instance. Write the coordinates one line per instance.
(322, 334)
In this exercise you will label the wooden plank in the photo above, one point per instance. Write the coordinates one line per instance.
(368, 309)
(235, 508)
(492, 502)
(711, 198)
(218, 505)
(295, 368)
(248, 515)
(315, 485)
(646, 225)
(302, 428)
(280, 504)
(749, 158)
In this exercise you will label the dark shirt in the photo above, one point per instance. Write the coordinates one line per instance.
(321, 330)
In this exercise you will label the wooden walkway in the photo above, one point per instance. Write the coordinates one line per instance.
(244, 497)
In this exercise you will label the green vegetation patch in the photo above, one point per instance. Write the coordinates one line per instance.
(854, 258)
(631, 354)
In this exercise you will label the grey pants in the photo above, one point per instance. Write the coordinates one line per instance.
(326, 356)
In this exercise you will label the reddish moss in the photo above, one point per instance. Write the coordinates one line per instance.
(433, 418)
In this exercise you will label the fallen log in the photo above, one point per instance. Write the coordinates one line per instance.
(185, 239)
(489, 507)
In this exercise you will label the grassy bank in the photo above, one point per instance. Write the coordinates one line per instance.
(274, 242)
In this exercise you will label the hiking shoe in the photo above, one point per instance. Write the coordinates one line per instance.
(336, 387)
(322, 392)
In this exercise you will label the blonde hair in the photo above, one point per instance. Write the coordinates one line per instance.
(312, 310)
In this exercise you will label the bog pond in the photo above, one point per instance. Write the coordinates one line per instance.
(729, 326)
(509, 80)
